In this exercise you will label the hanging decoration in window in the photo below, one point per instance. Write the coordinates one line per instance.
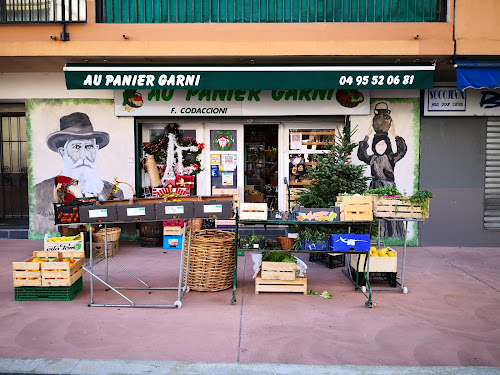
(177, 155)
(223, 140)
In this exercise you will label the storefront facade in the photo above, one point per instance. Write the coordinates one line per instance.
(282, 122)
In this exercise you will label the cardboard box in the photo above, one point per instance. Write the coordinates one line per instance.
(99, 247)
(254, 198)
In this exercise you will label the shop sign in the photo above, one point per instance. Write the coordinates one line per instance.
(169, 102)
(447, 100)
(318, 77)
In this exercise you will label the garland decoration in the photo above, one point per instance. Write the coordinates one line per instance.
(223, 140)
(179, 154)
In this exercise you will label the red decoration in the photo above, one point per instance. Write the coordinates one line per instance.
(160, 192)
(184, 181)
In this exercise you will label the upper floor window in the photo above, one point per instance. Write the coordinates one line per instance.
(270, 11)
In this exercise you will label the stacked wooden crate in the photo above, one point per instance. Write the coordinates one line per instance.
(279, 277)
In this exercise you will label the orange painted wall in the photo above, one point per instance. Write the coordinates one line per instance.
(92, 40)
(477, 27)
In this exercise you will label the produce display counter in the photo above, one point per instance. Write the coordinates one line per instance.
(143, 210)
(364, 265)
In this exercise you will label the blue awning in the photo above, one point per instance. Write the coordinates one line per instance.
(478, 74)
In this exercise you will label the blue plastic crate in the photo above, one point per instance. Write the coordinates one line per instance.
(316, 245)
(350, 242)
(172, 242)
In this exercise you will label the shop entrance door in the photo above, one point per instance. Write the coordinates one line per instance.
(261, 164)
(300, 145)
(14, 210)
(223, 159)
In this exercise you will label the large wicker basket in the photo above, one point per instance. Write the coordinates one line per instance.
(211, 260)
(113, 235)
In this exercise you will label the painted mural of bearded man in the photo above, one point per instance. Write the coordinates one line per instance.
(78, 144)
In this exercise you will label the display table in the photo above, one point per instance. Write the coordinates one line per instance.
(365, 266)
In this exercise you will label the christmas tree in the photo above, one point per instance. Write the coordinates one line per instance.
(333, 174)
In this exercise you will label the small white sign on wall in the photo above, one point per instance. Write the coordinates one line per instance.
(446, 100)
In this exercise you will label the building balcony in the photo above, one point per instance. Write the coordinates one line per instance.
(224, 11)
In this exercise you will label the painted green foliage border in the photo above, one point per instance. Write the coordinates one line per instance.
(413, 240)
(31, 105)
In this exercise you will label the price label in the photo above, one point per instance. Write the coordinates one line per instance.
(212, 208)
(174, 209)
(136, 211)
(103, 212)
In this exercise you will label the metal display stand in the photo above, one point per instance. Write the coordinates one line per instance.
(182, 287)
(402, 287)
(367, 292)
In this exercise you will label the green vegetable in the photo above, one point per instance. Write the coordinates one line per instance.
(421, 198)
(326, 295)
(312, 293)
(278, 257)
(384, 191)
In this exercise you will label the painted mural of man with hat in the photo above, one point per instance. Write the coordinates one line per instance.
(78, 144)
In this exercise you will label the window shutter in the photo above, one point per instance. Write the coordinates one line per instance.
(492, 175)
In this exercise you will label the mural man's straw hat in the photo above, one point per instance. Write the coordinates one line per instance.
(76, 125)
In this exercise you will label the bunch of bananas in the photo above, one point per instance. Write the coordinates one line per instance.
(272, 153)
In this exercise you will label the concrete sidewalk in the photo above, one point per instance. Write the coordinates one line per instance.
(449, 322)
(100, 367)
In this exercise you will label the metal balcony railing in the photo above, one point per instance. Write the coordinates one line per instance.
(43, 11)
(269, 11)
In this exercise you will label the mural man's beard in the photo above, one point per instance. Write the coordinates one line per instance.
(85, 172)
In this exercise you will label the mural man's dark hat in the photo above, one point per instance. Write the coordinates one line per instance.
(76, 125)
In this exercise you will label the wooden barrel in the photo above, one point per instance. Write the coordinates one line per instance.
(151, 233)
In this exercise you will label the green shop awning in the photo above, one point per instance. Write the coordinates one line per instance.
(317, 77)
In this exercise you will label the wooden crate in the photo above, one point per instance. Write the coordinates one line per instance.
(278, 270)
(253, 211)
(29, 273)
(223, 191)
(298, 285)
(60, 273)
(377, 264)
(172, 231)
(355, 208)
(294, 194)
(397, 208)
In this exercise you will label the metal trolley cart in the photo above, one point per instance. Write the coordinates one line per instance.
(401, 287)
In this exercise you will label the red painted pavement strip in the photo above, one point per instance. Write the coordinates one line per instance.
(449, 318)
